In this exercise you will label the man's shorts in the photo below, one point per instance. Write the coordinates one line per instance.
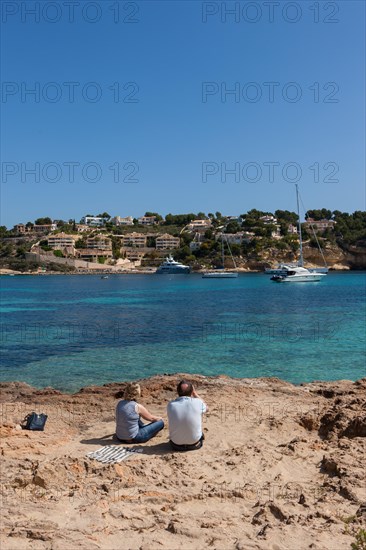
(192, 447)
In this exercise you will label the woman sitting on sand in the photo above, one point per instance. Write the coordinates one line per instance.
(129, 428)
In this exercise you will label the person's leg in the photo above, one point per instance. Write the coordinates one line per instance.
(148, 431)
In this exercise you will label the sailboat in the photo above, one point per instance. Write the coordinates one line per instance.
(221, 273)
(292, 273)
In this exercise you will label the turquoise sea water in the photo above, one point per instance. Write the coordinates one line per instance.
(68, 331)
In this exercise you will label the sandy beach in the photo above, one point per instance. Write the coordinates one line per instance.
(282, 467)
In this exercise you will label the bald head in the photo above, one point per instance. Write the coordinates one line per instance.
(184, 388)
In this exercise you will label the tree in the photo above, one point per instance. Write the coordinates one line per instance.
(232, 227)
(105, 216)
(43, 221)
(80, 243)
(116, 247)
(322, 214)
(179, 219)
(286, 216)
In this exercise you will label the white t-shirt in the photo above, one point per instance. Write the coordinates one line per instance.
(185, 420)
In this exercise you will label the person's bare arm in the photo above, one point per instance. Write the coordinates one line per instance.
(195, 394)
(144, 413)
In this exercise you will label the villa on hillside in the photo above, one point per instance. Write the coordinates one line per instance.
(117, 220)
(236, 238)
(99, 242)
(319, 225)
(61, 240)
(199, 225)
(20, 228)
(82, 228)
(167, 242)
(93, 221)
(92, 254)
(147, 220)
(268, 219)
(45, 228)
(135, 239)
(292, 229)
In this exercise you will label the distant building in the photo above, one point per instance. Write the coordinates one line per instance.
(268, 219)
(236, 219)
(20, 228)
(167, 242)
(276, 233)
(117, 220)
(82, 228)
(60, 241)
(231, 238)
(236, 238)
(45, 228)
(199, 225)
(292, 229)
(135, 239)
(147, 220)
(93, 221)
(92, 254)
(99, 243)
(319, 225)
(197, 242)
(134, 254)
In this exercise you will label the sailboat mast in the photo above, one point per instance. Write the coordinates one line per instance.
(222, 251)
(301, 261)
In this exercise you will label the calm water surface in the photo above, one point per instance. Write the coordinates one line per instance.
(68, 331)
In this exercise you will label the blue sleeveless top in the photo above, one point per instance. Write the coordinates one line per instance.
(127, 420)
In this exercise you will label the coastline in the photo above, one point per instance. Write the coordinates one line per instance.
(150, 271)
(281, 468)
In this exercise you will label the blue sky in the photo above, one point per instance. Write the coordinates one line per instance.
(171, 129)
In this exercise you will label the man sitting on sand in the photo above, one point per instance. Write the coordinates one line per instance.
(185, 418)
(129, 428)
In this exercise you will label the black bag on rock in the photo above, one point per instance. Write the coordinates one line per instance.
(34, 421)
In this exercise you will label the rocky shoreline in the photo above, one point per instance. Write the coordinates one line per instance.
(282, 467)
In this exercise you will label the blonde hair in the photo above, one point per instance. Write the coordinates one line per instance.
(132, 391)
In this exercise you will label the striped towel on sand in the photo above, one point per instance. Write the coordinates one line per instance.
(112, 454)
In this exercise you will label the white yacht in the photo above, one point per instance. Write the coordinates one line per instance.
(172, 267)
(279, 270)
(297, 275)
(282, 268)
(297, 272)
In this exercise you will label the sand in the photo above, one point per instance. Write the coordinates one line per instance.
(282, 467)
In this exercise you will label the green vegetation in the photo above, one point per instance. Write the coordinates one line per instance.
(43, 221)
(350, 228)
(360, 543)
(179, 219)
(270, 237)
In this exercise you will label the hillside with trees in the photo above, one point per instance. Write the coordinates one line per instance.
(258, 239)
